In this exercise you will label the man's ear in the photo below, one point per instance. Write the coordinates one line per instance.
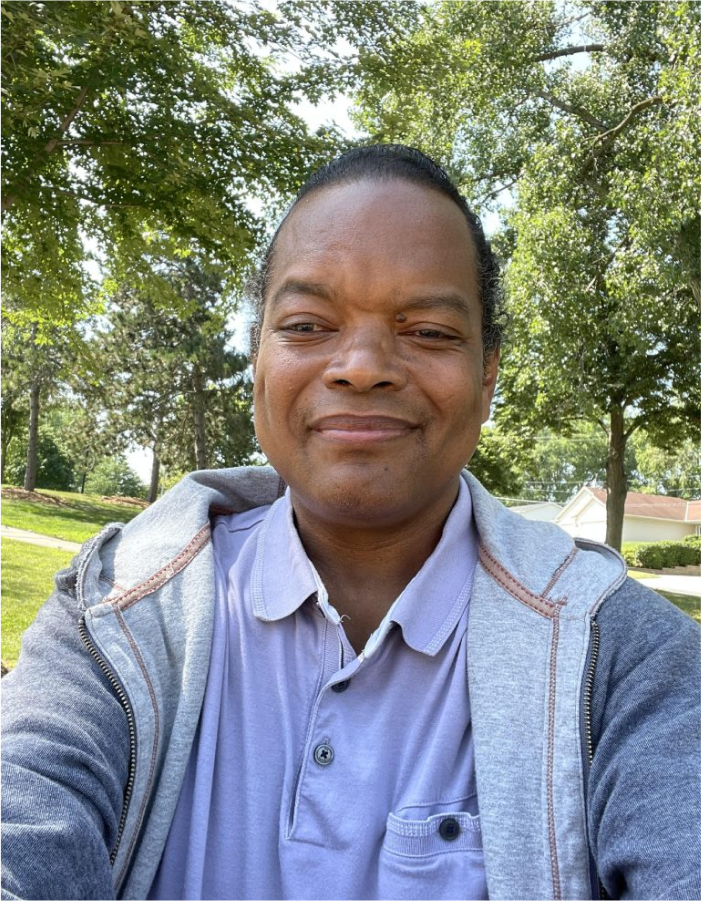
(489, 381)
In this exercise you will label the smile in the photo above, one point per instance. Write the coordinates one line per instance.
(353, 429)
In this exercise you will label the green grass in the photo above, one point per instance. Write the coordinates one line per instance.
(637, 575)
(76, 518)
(27, 581)
(689, 603)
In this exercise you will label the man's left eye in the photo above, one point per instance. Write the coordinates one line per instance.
(435, 334)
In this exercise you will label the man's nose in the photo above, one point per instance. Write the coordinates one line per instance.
(366, 359)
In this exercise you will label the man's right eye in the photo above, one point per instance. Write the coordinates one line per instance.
(302, 328)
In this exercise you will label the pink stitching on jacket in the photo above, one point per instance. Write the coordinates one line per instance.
(172, 568)
(156, 735)
(535, 602)
(554, 867)
(559, 571)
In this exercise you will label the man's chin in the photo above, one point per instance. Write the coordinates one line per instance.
(368, 501)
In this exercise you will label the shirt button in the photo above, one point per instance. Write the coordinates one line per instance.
(323, 754)
(340, 686)
(449, 829)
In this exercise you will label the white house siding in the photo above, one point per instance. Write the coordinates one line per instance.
(644, 528)
(595, 531)
(586, 520)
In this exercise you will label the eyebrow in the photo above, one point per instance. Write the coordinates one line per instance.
(300, 286)
(440, 301)
(450, 300)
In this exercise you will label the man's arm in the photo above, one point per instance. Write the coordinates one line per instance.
(65, 755)
(644, 795)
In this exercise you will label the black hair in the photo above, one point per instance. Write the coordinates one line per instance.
(395, 162)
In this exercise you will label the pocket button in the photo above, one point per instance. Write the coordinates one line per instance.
(449, 829)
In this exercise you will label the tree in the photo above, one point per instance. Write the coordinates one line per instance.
(128, 120)
(35, 365)
(498, 462)
(173, 383)
(53, 468)
(658, 471)
(602, 238)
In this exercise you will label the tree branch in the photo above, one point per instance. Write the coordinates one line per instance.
(569, 51)
(495, 193)
(573, 110)
(10, 199)
(87, 142)
(609, 135)
(68, 121)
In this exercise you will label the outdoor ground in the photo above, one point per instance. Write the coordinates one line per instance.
(27, 570)
(27, 579)
(62, 514)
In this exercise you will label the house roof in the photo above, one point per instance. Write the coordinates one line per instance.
(656, 506)
(536, 505)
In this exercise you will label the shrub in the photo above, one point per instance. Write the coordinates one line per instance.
(629, 552)
(54, 469)
(114, 476)
(663, 554)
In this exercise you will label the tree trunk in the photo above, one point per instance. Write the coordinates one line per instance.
(30, 475)
(200, 420)
(616, 482)
(155, 475)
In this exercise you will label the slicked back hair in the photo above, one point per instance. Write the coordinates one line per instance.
(386, 163)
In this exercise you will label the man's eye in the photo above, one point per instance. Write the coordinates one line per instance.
(302, 328)
(435, 334)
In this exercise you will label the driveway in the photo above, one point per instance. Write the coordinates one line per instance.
(675, 584)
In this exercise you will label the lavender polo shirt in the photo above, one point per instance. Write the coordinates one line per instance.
(316, 772)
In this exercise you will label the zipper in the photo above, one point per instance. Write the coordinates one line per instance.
(589, 689)
(124, 701)
(588, 694)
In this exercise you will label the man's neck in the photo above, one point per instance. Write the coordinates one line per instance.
(364, 570)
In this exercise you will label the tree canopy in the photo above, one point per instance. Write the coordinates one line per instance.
(129, 122)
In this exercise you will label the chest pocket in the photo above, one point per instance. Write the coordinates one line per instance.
(439, 856)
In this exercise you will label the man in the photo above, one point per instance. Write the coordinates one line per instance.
(376, 682)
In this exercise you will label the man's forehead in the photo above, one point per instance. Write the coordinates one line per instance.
(398, 208)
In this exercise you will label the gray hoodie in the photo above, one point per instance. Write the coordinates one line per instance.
(584, 688)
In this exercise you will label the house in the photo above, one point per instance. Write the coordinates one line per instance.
(544, 511)
(647, 517)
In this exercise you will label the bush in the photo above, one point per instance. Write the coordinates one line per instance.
(113, 476)
(54, 469)
(629, 552)
(663, 554)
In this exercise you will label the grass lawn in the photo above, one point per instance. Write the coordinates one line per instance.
(27, 581)
(62, 514)
(689, 603)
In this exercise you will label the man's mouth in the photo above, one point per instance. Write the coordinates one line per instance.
(354, 429)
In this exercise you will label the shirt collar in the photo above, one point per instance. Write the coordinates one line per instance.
(432, 604)
(282, 575)
(427, 610)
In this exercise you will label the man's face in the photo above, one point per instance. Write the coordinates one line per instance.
(370, 381)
